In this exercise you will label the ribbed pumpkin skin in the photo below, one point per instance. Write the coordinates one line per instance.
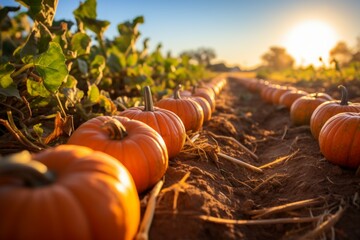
(278, 92)
(93, 197)
(143, 151)
(204, 104)
(326, 110)
(288, 98)
(302, 109)
(163, 121)
(186, 109)
(339, 139)
(206, 93)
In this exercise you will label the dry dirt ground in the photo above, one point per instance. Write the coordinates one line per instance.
(298, 196)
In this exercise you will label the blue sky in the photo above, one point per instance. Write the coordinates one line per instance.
(239, 31)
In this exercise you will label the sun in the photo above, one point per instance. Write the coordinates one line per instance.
(309, 40)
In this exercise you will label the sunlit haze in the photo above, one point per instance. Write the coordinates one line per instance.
(309, 40)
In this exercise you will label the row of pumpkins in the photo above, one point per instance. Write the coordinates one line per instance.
(334, 123)
(89, 188)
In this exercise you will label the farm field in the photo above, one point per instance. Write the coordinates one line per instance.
(297, 181)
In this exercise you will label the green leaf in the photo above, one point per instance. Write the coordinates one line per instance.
(97, 26)
(97, 68)
(83, 66)
(5, 71)
(93, 94)
(5, 10)
(107, 104)
(29, 49)
(51, 67)
(36, 88)
(70, 82)
(10, 91)
(132, 59)
(80, 43)
(86, 9)
(116, 60)
(38, 130)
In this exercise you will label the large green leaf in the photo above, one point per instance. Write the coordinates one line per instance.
(51, 67)
(80, 43)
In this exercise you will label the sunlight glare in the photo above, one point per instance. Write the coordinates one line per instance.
(310, 40)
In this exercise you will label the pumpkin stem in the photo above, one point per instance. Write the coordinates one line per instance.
(344, 95)
(148, 101)
(177, 92)
(20, 165)
(115, 128)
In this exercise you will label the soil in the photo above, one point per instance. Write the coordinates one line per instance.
(200, 183)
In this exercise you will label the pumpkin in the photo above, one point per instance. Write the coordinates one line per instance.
(302, 109)
(204, 104)
(67, 192)
(339, 139)
(267, 91)
(189, 111)
(278, 92)
(288, 98)
(330, 108)
(136, 145)
(206, 93)
(163, 121)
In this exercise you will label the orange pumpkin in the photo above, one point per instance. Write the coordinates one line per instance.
(267, 91)
(339, 139)
(67, 192)
(204, 104)
(165, 122)
(278, 92)
(206, 93)
(136, 145)
(288, 98)
(189, 111)
(302, 109)
(330, 108)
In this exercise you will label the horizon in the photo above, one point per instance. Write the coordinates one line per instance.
(239, 32)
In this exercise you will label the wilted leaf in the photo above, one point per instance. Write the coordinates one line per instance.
(5, 10)
(51, 67)
(41, 10)
(97, 26)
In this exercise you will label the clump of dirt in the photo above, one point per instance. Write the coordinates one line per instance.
(295, 178)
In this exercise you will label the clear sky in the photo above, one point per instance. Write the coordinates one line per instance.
(239, 31)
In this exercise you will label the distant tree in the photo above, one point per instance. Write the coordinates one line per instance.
(341, 53)
(202, 55)
(277, 58)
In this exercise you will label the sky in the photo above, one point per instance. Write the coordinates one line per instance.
(239, 31)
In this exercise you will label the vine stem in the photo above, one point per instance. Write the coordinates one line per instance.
(60, 104)
(22, 69)
(115, 128)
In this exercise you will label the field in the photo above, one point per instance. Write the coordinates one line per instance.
(297, 183)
